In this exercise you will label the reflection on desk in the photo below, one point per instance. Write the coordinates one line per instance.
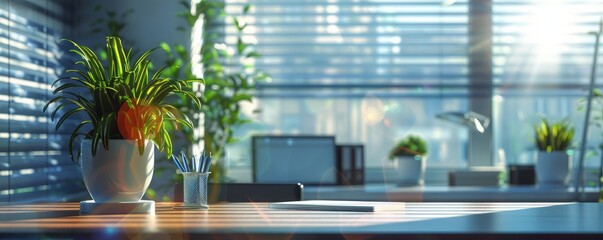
(256, 220)
(390, 192)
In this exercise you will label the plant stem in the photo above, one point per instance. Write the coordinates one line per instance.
(593, 73)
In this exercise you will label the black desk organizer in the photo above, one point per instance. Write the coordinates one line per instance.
(522, 174)
(350, 164)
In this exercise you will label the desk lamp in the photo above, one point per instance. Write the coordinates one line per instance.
(475, 122)
(471, 120)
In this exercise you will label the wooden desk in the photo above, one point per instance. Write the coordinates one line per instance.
(257, 221)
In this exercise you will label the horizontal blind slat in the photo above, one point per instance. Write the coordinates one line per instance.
(38, 179)
(34, 161)
(347, 42)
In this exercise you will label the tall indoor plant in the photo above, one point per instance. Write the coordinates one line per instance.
(411, 155)
(552, 142)
(597, 120)
(121, 113)
(230, 77)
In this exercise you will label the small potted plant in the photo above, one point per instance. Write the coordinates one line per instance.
(411, 155)
(120, 111)
(553, 140)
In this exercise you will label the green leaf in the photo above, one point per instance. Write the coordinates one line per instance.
(74, 134)
(247, 8)
(118, 63)
(66, 116)
(241, 46)
(242, 97)
(51, 101)
(556, 136)
(253, 54)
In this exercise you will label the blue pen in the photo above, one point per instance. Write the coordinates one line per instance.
(202, 159)
(177, 163)
(198, 163)
(185, 160)
(182, 163)
(194, 163)
(208, 164)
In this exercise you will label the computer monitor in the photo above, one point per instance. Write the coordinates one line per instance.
(309, 160)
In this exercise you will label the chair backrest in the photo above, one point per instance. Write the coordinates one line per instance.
(249, 192)
(255, 192)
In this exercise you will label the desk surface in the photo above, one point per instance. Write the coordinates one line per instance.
(242, 220)
(391, 192)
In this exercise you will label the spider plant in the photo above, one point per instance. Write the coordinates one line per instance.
(556, 136)
(120, 100)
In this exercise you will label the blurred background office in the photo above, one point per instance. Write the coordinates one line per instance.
(366, 72)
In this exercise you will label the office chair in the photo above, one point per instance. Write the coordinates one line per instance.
(249, 192)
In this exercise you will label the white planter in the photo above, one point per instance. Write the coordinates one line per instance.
(411, 170)
(120, 174)
(553, 169)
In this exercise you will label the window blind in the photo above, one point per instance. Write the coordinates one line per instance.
(544, 42)
(34, 164)
(367, 71)
(357, 44)
(542, 57)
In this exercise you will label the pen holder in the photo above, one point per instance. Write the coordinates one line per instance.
(195, 190)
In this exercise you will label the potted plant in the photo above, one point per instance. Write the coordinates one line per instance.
(120, 111)
(411, 155)
(230, 78)
(553, 141)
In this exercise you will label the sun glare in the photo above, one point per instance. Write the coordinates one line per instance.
(549, 29)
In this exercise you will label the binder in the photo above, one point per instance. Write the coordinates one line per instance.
(350, 164)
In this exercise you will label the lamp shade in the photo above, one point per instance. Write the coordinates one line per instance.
(471, 120)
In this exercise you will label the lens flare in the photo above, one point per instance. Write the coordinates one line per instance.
(373, 111)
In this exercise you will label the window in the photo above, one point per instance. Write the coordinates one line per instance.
(34, 165)
(366, 72)
(372, 71)
(542, 56)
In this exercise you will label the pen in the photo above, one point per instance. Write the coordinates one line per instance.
(203, 160)
(177, 163)
(208, 164)
(197, 163)
(185, 161)
(194, 163)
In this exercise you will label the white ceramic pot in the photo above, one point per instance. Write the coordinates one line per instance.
(553, 168)
(119, 174)
(411, 170)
